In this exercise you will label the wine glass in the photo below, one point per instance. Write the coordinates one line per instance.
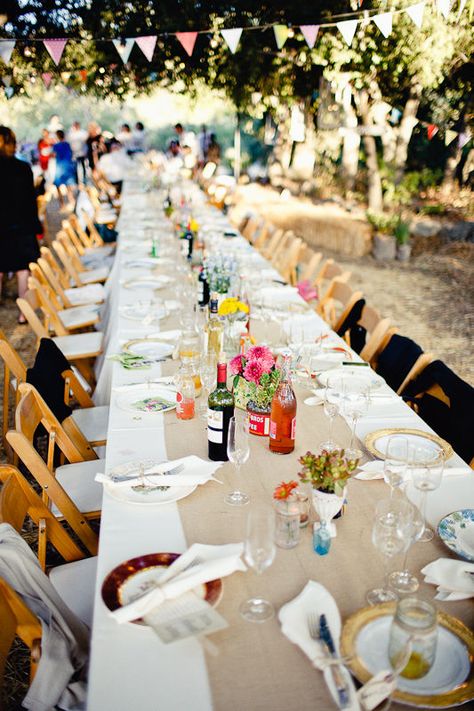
(238, 451)
(426, 471)
(395, 464)
(331, 404)
(390, 535)
(402, 581)
(259, 553)
(355, 402)
(207, 371)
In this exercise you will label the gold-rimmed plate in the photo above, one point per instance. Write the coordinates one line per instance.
(376, 442)
(450, 681)
(149, 347)
(135, 577)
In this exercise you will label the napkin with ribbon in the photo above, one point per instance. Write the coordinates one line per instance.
(454, 579)
(314, 599)
(195, 472)
(199, 564)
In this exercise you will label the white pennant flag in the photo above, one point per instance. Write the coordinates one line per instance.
(384, 23)
(444, 6)
(6, 49)
(232, 38)
(462, 4)
(347, 30)
(415, 13)
(124, 49)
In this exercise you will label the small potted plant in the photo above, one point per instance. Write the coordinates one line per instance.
(402, 235)
(328, 473)
(256, 377)
(384, 243)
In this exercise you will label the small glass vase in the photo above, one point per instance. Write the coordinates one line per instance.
(259, 419)
(327, 506)
(287, 522)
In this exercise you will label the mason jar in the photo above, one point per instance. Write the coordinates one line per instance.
(413, 638)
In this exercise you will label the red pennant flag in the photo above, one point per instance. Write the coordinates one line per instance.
(47, 78)
(147, 45)
(188, 40)
(83, 74)
(55, 48)
(432, 130)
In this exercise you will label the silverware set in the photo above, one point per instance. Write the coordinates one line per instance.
(319, 631)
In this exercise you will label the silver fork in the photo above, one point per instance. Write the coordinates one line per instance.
(143, 477)
(339, 680)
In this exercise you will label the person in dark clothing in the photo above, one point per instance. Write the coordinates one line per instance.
(19, 223)
(95, 145)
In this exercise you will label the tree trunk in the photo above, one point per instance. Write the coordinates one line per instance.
(407, 125)
(455, 153)
(350, 149)
(374, 187)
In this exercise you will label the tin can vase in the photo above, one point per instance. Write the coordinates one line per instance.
(259, 419)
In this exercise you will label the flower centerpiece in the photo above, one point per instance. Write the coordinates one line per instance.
(328, 473)
(256, 379)
(235, 313)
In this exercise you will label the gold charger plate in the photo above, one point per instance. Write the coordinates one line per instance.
(461, 694)
(372, 437)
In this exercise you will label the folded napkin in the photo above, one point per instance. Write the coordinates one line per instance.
(314, 599)
(370, 470)
(454, 578)
(195, 472)
(306, 290)
(199, 564)
(130, 361)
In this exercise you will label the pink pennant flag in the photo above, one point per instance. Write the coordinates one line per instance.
(187, 40)
(310, 32)
(55, 48)
(47, 78)
(431, 130)
(463, 139)
(415, 13)
(232, 38)
(384, 23)
(147, 44)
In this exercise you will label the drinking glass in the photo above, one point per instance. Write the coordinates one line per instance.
(238, 451)
(402, 581)
(390, 535)
(207, 371)
(332, 398)
(414, 625)
(259, 553)
(354, 404)
(427, 472)
(395, 464)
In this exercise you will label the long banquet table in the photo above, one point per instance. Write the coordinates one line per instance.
(256, 666)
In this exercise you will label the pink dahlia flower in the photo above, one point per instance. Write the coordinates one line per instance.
(236, 365)
(253, 371)
(262, 355)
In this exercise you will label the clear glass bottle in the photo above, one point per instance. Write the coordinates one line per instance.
(215, 328)
(283, 412)
(321, 538)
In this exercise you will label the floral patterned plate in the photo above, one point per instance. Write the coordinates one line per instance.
(148, 399)
(456, 530)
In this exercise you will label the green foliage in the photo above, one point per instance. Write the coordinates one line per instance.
(262, 395)
(381, 222)
(327, 471)
(402, 232)
(397, 194)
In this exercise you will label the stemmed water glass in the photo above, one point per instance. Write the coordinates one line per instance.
(331, 402)
(259, 553)
(355, 402)
(207, 372)
(402, 581)
(395, 463)
(390, 535)
(238, 451)
(426, 472)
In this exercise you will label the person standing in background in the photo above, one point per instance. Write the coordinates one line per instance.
(114, 165)
(65, 168)
(45, 149)
(213, 150)
(203, 139)
(138, 143)
(77, 139)
(124, 136)
(95, 145)
(19, 215)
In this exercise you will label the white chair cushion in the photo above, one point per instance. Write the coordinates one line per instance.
(75, 583)
(90, 294)
(93, 422)
(92, 275)
(79, 316)
(80, 345)
(105, 251)
(78, 482)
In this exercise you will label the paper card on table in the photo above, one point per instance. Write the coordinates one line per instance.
(187, 616)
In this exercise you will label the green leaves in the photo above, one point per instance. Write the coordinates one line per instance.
(328, 471)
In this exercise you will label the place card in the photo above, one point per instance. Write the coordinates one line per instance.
(186, 616)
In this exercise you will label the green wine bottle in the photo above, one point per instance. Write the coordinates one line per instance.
(220, 410)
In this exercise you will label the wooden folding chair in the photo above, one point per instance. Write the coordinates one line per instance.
(328, 271)
(337, 302)
(57, 269)
(74, 580)
(273, 243)
(63, 321)
(252, 227)
(79, 278)
(14, 373)
(68, 297)
(377, 329)
(286, 258)
(264, 235)
(308, 270)
(85, 246)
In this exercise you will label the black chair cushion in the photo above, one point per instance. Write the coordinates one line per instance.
(357, 333)
(46, 377)
(397, 359)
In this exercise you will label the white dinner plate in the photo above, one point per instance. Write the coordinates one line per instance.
(361, 374)
(152, 496)
(148, 347)
(141, 309)
(148, 282)
(377, 441)
(147, 400)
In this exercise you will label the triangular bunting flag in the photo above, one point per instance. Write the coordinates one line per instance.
(83, 74)
(431, 130)
(463, 139)
(444, 7)
(462, 5)
(6, 49)
(65, 76)
(384, 23)
(9, 91)
(449, 136)
(147, 44)
(232, 38)
(55, 48)
(347, 30)
(7, 80)
(310, 32)
(47, 77)
(415, 13)
(124, 47)
(187, 40)
(281, 35)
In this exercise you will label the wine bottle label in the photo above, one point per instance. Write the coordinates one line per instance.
(293, 428)
(215, 436)
(215, 419)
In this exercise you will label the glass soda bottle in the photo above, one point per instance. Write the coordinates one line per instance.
(283, 413)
